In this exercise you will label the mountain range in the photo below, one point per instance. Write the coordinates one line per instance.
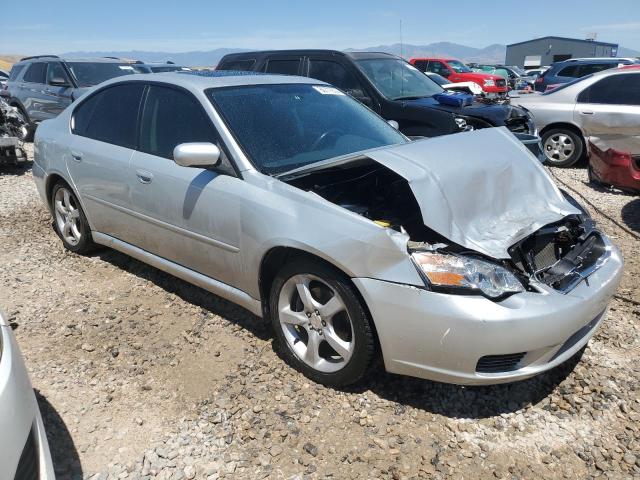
(492, 54)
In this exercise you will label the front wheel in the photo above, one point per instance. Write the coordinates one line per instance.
(562, 148)
(69, 220)
(320, 324)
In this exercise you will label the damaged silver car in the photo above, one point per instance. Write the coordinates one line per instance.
(455, 258)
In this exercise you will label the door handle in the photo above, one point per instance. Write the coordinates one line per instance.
(76, 156)
(586, 112)
(144, 176)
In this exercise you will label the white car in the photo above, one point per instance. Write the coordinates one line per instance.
(24, 450)
(604, 104)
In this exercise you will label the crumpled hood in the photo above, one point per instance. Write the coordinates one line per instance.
(482, 189)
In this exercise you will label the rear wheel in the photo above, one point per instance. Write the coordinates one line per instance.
(69, 220)
(562, 147)
(320, 324)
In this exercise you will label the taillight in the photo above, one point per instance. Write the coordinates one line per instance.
(617, 158)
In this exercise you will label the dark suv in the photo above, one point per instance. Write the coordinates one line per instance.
(42, 86)
(568, 70)
(388, 85)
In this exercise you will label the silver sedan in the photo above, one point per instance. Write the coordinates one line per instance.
(455, 258)
(604, 105)
(24, 450)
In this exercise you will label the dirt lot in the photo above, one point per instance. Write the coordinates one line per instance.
(140, 375)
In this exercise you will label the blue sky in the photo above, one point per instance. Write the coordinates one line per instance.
(37, 26)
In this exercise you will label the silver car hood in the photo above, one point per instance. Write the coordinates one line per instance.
(483, 189)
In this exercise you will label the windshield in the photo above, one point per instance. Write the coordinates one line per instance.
(88, 74)
(283, 127)
(458, 66)
(565, 85)
(397, 80)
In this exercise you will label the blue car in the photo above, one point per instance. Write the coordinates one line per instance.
(568, 70)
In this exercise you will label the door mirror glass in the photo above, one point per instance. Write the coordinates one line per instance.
(58, 82)
(394, 124)
(197, 154)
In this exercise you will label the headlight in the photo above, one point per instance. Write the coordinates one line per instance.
(489, 83)
(462, 124)
(466, 273)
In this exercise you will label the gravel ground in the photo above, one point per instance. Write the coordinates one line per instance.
(141, 375)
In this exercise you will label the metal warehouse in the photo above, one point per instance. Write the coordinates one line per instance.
(546, 50)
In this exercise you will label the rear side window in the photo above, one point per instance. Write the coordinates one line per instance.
(570, 71)
(172, 117)
(337, 75)
(111, 115)
(15, 71)
(285, 67)
(238, 65)
(621, 89)
(595, 67)
(36, 73)
(421, 65)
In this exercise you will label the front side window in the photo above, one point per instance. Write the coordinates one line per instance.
(282, 127)
(439, 68)
(172, 117)
(337, 75)
(110, 115)
(396, 79)
(36, 73)
(572, 71)
(458, 66)
(284, 67)
(55, 71)
(88, 74)
(623, 89)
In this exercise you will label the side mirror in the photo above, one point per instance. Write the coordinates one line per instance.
(58, 82)
(394, 124)
(197, 154)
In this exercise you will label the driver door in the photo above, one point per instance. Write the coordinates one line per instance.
(190, 216)
(56, 96)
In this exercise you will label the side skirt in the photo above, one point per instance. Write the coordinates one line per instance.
(214, 286)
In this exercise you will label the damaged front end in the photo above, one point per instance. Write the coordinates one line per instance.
(492, 223)
(12, 128)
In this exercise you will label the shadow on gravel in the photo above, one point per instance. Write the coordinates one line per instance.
(15, 171)
(188, 292)
(64, 455)
(458, 401)
(631, 215)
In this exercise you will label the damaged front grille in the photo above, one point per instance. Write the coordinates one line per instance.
(561, 255)
(519, 125)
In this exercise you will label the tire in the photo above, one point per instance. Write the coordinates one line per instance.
(69, 220)
(328, 336)
(562, 147)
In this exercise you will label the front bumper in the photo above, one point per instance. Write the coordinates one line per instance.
(443, 337)
(24, 449)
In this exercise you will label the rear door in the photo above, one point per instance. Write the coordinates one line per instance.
(32, 91)
(105, 134)
(56, 97)
(610, 107)
(190, 216)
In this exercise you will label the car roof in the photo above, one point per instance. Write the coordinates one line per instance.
(595, 61)
(351, 54)
(49, 58)
(203, 80)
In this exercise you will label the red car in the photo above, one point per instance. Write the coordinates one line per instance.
(455, 71)
(614, 167)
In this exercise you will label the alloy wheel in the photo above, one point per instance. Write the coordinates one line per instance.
(316, 323)
(67, 216)
(559, 147)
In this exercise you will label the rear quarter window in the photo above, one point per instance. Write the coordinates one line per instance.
(15, 72)
(245, 65)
